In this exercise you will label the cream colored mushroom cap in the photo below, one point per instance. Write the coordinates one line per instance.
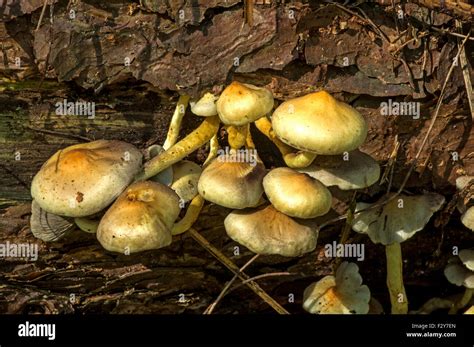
(459, 275)
(83, 179)
(320, 124)
(342, 294)
(467, 218)
(242, 103)
(359, 171)
(399, 219)
(268, 231)
(463, 181)
(186, 178)
(206, 106)
(140, 219)
(231, 183)
(296, 194)
(467, 258)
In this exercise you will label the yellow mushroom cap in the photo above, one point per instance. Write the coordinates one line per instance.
(231, 183)
(340, 294)
(268, 231)
(206, 106)
(242, 103)
(140, 219)
(320, 124)
(296, 194)
(83, 179)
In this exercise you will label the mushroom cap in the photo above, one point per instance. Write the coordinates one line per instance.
(186, 178)
(470, 310)
(140, 219)
(83, 179)
(164, 177)
(463, 181)
(230, 183)
(296, 194)
(359, 171)
(342, 294)
(467, 258)
(458, 274)
(242, 103)
(48, 226)
(467, 218)
(268, 231)
(320, 124)
(206, 106)
(399, 219)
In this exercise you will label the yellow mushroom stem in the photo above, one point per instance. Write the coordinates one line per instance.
(237, 135)
(192, 214)
(294, 160)
(249, 144)
(213, 150)
(86, 224)
(398, 296)
(181, 149)
(176, 120)
(466, 298)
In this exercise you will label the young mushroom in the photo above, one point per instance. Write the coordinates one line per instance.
(265, 230)
(232, 183)
(340, 294)
(391, 224)
(164, 177)
(353, 170)
(81, 180)
(206, 106)
(239, 105)
(296, 194)
(316, 124)
(140, 219)
(186, 178)
(467, 217)
(460, 271)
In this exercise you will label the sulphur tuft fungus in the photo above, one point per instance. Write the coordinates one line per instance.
(239, 105)
(232, 183)
(296, 194)
(340, 294)
(186, 178)
(265, 230)
(467, 217)
(391, 224)
(351, 170)
(140, 219)
(164, 177)
(48, 226)
(206, 106)
(460, 271)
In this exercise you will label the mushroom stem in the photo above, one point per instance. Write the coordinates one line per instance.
(181, 149)
(468, 294)
(398, 296)
(175, 124)
(87, 225)
(237, 135)
(213, 148)
(192, 214)
(293, 160)
(249, 144)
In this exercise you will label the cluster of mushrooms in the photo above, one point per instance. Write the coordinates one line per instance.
(132, 200)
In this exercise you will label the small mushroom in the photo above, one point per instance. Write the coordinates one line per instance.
(467, 217)
(232, 183)
(83, 179)
(265, 230)
(356, 170)
(296, 194)
(391, 224)
(140, 219)
(206, 106)
(186, 178)
(164, 177)
(460, 271)
(239, 105)
(340, 294)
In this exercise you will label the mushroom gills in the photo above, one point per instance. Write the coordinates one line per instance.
(47, 226)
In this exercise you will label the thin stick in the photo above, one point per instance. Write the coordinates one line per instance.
(251, 279)
(58, 133)
(235, 270)
(42, 14)
(465, 72)
(212, 306)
